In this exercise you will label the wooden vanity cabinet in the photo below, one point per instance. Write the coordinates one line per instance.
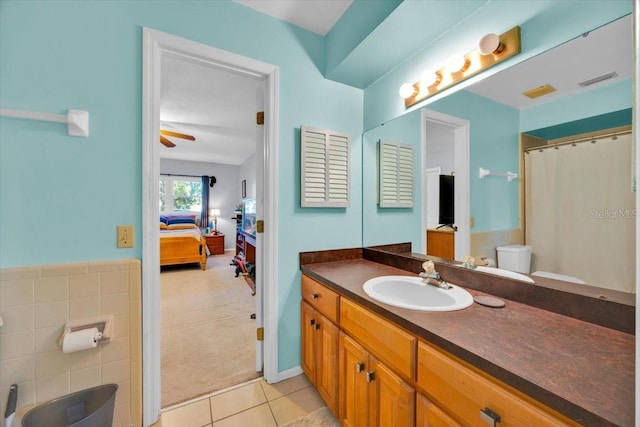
(320, 354)
(376, 370)
(372, 373)
(463, 392)
(429, 415)
(319, 311)
(371, 395)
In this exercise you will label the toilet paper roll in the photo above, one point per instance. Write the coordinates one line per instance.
(80, 340)
(490, 262)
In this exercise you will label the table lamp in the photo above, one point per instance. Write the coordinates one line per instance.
(215, 213)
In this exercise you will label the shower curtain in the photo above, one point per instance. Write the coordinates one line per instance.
(580, 211)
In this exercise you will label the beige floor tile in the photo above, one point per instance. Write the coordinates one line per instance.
(237, 400)
(274, 391)
(260, 416)
(196, 414)
(296, 405)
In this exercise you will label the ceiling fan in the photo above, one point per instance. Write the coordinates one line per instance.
(167, 143)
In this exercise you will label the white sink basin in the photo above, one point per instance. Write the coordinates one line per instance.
(410, 292)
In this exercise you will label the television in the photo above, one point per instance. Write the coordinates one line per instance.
(446, 209)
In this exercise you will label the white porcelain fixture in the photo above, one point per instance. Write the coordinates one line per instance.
(504, 273)
(514, 258)
(412, 293)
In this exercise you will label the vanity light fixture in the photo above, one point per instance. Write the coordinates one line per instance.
(458, 63)
(406, 90)
(430, 78)
(491, 50)
(490, 44)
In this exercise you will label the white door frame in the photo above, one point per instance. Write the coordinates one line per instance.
(461, 135)
(155, 45)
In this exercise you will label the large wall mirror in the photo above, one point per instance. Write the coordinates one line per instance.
(491, 125)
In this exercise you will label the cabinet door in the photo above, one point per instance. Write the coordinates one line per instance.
(354, 389)
(429, 415)
(307, 329)
(394, 398)
(326, 361)
(465, 393)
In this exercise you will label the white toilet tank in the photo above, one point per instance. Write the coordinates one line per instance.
(515, 258)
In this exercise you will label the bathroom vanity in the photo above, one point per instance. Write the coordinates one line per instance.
(375, 364)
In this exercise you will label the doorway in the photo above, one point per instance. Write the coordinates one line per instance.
(453, 147)
(155, 45)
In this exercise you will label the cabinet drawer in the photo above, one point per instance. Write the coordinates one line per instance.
(388, 342)
(321, 298)
(463, 392)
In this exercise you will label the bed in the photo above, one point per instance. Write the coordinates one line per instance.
(182, 243)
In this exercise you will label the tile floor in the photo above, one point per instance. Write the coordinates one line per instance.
(255, 403)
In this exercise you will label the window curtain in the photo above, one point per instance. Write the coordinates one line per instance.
(579, 211)
(204, 212)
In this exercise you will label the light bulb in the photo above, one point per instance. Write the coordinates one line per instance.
(406, 90)
(430, 78)
(457, 63)
(489, 44)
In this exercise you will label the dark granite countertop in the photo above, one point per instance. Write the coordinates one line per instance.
(582, 370)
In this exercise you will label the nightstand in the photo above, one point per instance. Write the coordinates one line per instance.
(215, 243)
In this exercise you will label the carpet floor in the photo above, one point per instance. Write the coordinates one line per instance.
(207, 333)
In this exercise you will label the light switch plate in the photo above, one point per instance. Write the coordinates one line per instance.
(125, 236)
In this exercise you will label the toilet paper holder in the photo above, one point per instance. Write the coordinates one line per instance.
(102, 324)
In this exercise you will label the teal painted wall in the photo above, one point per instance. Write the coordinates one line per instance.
(600, 100)
(493, 146)
(61, 197)
(391, 225)
(494, 137)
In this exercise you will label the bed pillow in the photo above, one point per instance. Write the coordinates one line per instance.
(181, 226)
(182, 219)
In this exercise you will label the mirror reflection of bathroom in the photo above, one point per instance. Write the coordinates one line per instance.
(568, 215)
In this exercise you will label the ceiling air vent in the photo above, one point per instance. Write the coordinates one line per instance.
(539, 91)
(598, 79)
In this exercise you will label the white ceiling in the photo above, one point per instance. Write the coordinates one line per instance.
(218, 107)
(318, 16)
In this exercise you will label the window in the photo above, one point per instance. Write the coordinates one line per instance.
(180, 194)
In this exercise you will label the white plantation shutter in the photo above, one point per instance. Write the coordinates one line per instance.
(324, 168)
(395, 175)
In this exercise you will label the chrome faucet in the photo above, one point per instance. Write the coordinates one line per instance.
(431, 277)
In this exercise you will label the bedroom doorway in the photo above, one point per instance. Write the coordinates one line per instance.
(453, 135)
(157, 45)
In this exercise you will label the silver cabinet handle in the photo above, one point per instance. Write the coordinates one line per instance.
(359, 366)
(312, 322)
(315, 296)
(371, 376)
(489, 417)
